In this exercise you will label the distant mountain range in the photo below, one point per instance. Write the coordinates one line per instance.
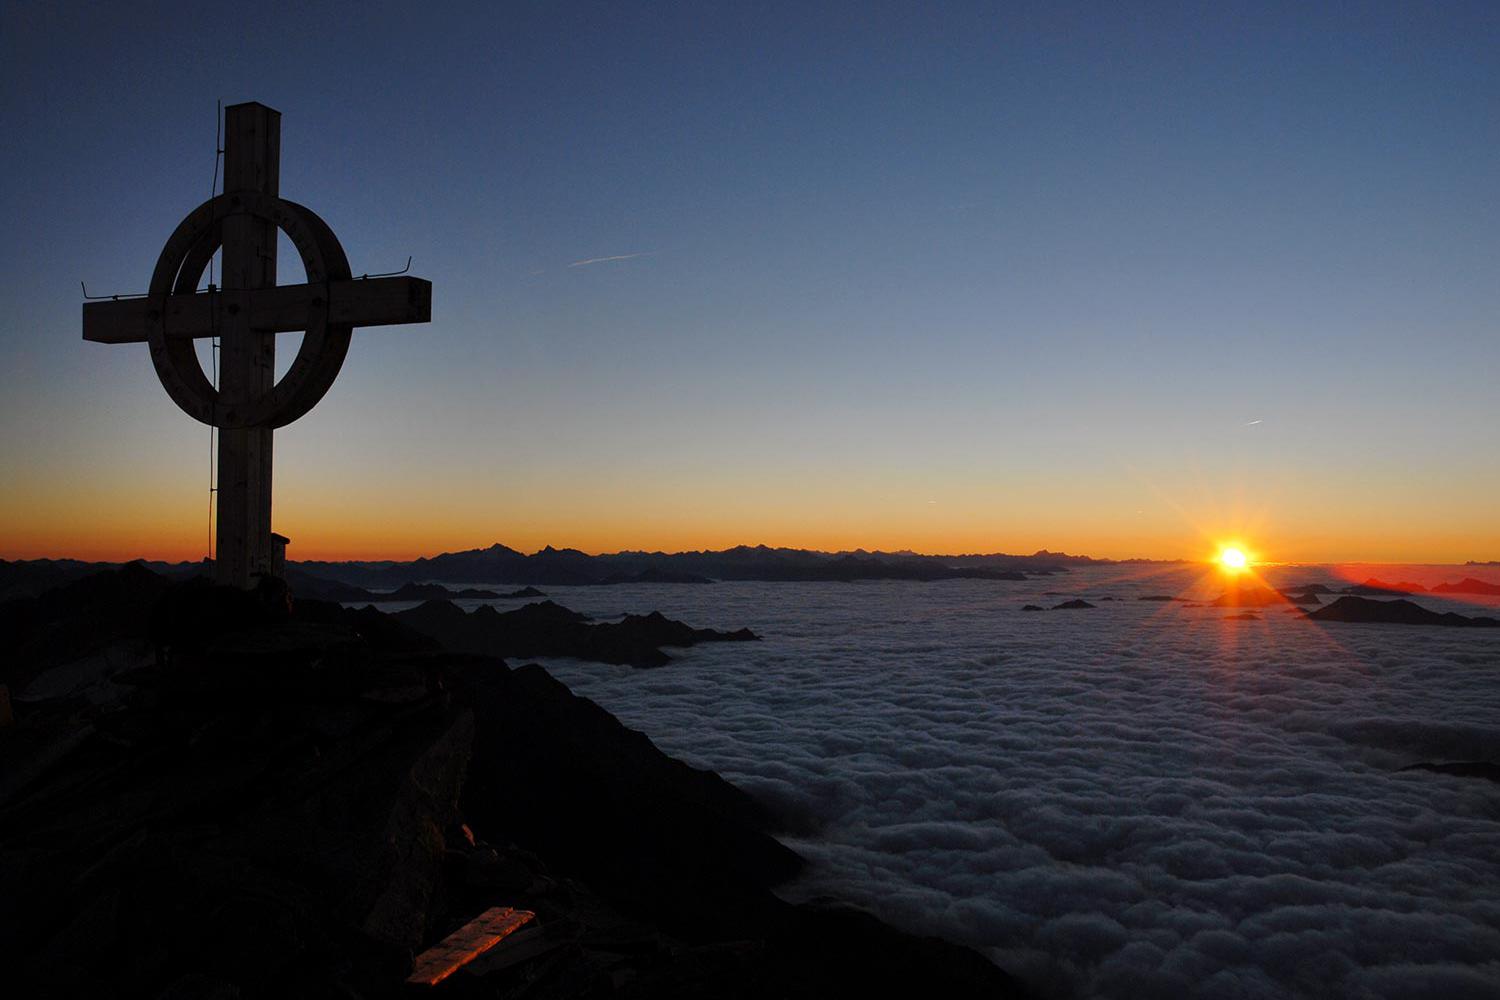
(570, 567)
(565, 567)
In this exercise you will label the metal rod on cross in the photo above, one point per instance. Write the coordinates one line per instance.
(246, 312)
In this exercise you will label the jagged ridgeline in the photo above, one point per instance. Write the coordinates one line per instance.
(570, 567)
(499, 564)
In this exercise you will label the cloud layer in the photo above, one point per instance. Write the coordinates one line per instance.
(1138, 800)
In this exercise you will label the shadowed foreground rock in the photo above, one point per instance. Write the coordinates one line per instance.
(549, 629)
(1365, 610)
(296, 808)
(88, 617)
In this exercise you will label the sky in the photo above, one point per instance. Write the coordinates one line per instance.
(1124, 280)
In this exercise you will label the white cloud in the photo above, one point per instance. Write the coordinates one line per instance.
(1133, 801)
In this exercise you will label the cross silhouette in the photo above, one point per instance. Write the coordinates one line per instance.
(246, 313)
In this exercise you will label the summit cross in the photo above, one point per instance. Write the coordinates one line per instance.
(246, 313)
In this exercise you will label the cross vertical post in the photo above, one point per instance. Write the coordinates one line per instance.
(246, 313)
(252, 163)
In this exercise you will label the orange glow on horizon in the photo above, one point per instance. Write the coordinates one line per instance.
(166, 518)
(155, 536)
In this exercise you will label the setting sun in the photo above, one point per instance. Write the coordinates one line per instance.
(1232, 559)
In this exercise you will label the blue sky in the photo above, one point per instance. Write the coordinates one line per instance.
(953, 276)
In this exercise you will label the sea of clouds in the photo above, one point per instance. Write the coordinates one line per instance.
(1137, 800)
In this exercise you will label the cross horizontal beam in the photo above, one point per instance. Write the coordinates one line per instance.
(282, 309)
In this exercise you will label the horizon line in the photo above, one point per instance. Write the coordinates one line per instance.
(1041, 553)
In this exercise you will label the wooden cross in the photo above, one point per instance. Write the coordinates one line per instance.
(246, 313)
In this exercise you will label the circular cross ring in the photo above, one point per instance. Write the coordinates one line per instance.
(178, 271)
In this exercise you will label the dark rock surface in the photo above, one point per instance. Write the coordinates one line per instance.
(1032, 607)
(76, 619)
(1362, 609)
(1243, 616)
(1075, 604)
(295, 808)
(556, 771)
(548, 629)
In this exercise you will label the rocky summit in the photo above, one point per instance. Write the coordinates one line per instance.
(219, 795)
(549, 629)
(1367, 611)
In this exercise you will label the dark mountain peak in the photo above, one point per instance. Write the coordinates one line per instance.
(432, 615)
(1468, 585)
(545, 612)
(1400, 612)
(1396, 588)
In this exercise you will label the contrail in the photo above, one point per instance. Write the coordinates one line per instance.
(605, 260)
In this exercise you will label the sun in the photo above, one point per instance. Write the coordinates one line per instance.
(1233, 559)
